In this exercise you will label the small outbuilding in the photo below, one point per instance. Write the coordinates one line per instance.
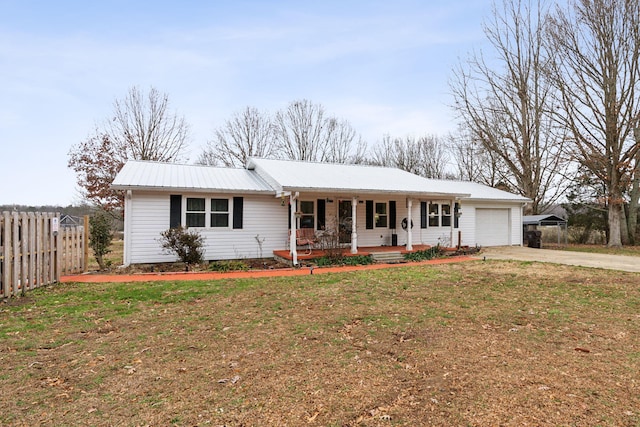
(532, 222)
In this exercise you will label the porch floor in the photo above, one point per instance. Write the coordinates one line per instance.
(363, 250)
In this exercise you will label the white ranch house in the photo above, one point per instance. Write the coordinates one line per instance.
(252, 212)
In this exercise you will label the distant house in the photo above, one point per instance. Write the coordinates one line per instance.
(251, 212)
(70, 221)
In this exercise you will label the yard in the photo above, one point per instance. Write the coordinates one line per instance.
(475, 343)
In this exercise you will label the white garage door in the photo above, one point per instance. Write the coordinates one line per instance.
(492, 227)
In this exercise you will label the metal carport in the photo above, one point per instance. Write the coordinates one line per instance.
(533, 221)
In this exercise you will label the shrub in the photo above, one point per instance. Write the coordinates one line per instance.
(344, 260)
(431, 253)
(224, 266)
(185, 244)
(100, 236)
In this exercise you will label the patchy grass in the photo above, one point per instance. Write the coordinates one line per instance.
(113, 258)
(477, 343)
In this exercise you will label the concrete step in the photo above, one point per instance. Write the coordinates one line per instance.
(387, 257)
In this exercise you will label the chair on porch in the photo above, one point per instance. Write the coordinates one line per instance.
(306, 237)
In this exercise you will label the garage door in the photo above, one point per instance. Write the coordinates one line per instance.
(492, 227)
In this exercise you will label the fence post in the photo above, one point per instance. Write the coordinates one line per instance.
(38, 249)
(32, 250)
(16, 253)
(6, 253)
(58, 246)
(85, 244)
(24, 252)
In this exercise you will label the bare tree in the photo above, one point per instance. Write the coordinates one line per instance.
(505, 102)
(143, 124)
(634, 193)
(142, 128)
(249, 133)
(426, 156)
(474, 162)
(343, 145)
(435, 154)
(303, 131)
(300, 131)
(596, 70)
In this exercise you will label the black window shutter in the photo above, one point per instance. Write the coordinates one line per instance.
(238, 203)
(321, 214)
(456, 209)
(175, 210)
(392, 214)
(369, 214)
(289, 215)
(423, 214)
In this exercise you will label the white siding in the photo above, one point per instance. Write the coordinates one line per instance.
(467, 225)
(147, 215)
(516, 226)
(264, 218)
(443, 235)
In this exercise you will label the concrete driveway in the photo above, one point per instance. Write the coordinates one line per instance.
(583, 259)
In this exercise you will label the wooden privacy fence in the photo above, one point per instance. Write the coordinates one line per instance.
(35, 251)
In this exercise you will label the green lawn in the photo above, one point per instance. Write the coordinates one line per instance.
(475, 343)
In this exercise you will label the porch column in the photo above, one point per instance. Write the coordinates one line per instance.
(354, 234)
(453, 239)
(409, 231)
(292, 233)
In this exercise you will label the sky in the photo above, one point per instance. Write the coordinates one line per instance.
(384, 66)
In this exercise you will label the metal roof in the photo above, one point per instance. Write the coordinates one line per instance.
(308, 176)
(276, 176)
(543, 220)
(146, 175)
(479, 191)
(349, 179)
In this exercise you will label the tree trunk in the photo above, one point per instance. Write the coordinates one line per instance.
(632, 220)
(614, 222)
(624, 230)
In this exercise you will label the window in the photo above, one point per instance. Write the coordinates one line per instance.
(307, 218)
(219, 212)
(381, 214)
(446, 215)
(434, 215)
(195, 212)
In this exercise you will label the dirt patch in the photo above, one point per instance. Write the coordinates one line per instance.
(478, 343)
(174, 267)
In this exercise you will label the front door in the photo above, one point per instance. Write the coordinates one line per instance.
(344, 221)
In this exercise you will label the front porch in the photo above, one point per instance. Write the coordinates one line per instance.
(305, 255)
